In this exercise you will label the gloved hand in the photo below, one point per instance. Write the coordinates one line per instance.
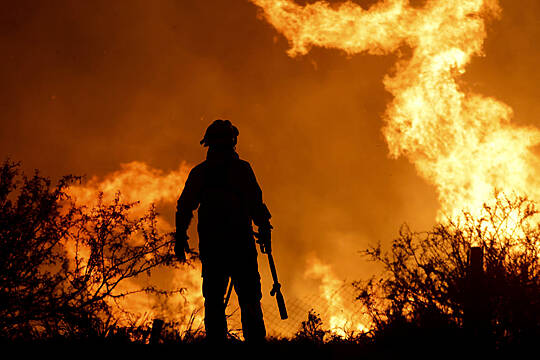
(181, 246)
(264, 239)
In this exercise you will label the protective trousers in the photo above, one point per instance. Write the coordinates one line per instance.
(247, 285)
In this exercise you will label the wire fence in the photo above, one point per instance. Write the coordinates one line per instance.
(339, 310)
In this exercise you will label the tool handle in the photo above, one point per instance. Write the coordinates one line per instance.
(273, 268)
(276, 288)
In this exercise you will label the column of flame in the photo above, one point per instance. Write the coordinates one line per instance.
(462, 143)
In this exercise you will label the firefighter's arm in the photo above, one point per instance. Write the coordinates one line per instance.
(187, 203)
(260, 214)
(264, 238)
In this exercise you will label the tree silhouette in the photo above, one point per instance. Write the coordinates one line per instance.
(425, 283)
(63, 265)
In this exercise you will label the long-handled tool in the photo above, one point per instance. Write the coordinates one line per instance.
(276, 287)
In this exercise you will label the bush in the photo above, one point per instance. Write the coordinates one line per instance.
(426, 281)
(63, 265)
(311, 330)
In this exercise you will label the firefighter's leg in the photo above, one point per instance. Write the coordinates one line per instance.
(214, 287)
(247, 284)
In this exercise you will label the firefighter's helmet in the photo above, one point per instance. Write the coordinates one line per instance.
(220, 132)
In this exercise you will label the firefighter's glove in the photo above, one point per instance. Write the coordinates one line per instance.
(181, 246)
(265, 239)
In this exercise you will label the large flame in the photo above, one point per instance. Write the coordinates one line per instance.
(463, 143)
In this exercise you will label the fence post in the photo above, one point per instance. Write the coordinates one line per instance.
(476, 315)
(155, 335)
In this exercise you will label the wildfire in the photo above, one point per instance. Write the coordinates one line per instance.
(461, 142)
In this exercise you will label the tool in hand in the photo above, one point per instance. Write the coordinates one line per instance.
(276, 287)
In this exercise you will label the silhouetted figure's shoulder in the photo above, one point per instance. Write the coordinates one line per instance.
(243, 164)
(243, 169)
(235, 163)
(199, 169)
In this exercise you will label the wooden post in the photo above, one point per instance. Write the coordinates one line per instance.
(476, 317)
(155, 335)
(476, 265)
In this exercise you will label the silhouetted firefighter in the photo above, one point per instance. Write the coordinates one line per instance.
(225, 190)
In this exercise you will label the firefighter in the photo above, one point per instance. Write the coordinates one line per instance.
(229, 201)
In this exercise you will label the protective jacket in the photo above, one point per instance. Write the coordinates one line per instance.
(225, 190)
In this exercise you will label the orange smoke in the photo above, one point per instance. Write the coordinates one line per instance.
(461, 142)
